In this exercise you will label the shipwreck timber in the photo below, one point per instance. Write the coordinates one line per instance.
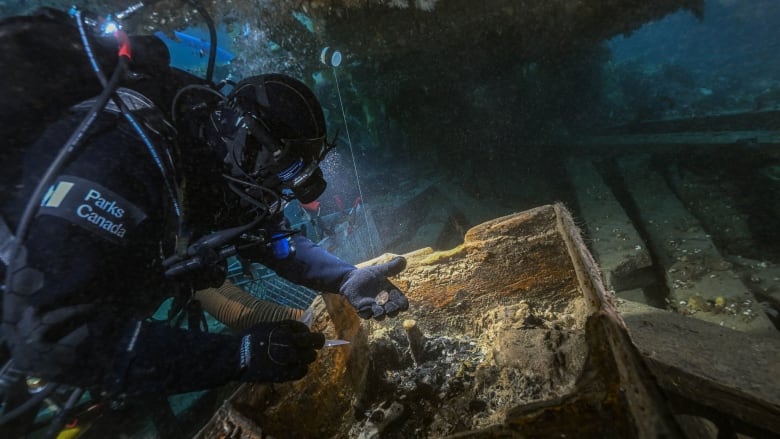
(550, 355)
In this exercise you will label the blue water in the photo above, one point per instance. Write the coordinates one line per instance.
(735, 37)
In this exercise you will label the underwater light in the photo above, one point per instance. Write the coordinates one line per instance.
(330, 57)
(110, 27)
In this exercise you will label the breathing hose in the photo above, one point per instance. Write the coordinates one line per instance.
(212, 39)
(34, 401)
(239, 310)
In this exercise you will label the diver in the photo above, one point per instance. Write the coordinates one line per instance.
(169, 177)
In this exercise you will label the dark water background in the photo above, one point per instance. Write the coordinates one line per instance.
(735, 38)
(729, 58)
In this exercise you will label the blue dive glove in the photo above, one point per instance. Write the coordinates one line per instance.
(278, 351)
(372, 295)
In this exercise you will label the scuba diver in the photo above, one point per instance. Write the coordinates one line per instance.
(136, 182)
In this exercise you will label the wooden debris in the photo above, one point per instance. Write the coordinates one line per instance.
(727, 376)
(525, 289)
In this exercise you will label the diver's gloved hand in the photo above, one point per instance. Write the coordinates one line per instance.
(372, 295)
(48, 341)
(278, 351)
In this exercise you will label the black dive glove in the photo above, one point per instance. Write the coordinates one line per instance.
(278, 351)
(372, 295)
(48, 342)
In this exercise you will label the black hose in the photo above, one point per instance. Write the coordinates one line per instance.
(57, 423)
(170, 181)
(212, 40)
(44, 393)
(186, 89)
(67, 150)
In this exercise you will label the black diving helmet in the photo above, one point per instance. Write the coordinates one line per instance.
(273, 131)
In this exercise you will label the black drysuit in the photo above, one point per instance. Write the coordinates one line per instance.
(93, 267)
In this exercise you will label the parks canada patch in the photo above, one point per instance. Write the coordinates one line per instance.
(91, 206)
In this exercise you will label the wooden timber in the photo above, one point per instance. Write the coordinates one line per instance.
(710, 371)
(537, 256)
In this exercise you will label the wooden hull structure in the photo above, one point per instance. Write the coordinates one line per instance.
(554, 356)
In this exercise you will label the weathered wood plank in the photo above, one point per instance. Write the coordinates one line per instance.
(694, 269)
(673, 141)
(730, 372)
(614, 241)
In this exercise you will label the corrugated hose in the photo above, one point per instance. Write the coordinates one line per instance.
(240, 310)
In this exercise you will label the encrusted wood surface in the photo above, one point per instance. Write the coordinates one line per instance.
(501, 262)
(318, 405)
(526, 289)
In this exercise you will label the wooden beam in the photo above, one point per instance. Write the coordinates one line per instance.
(730, 373)
(755, 139)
